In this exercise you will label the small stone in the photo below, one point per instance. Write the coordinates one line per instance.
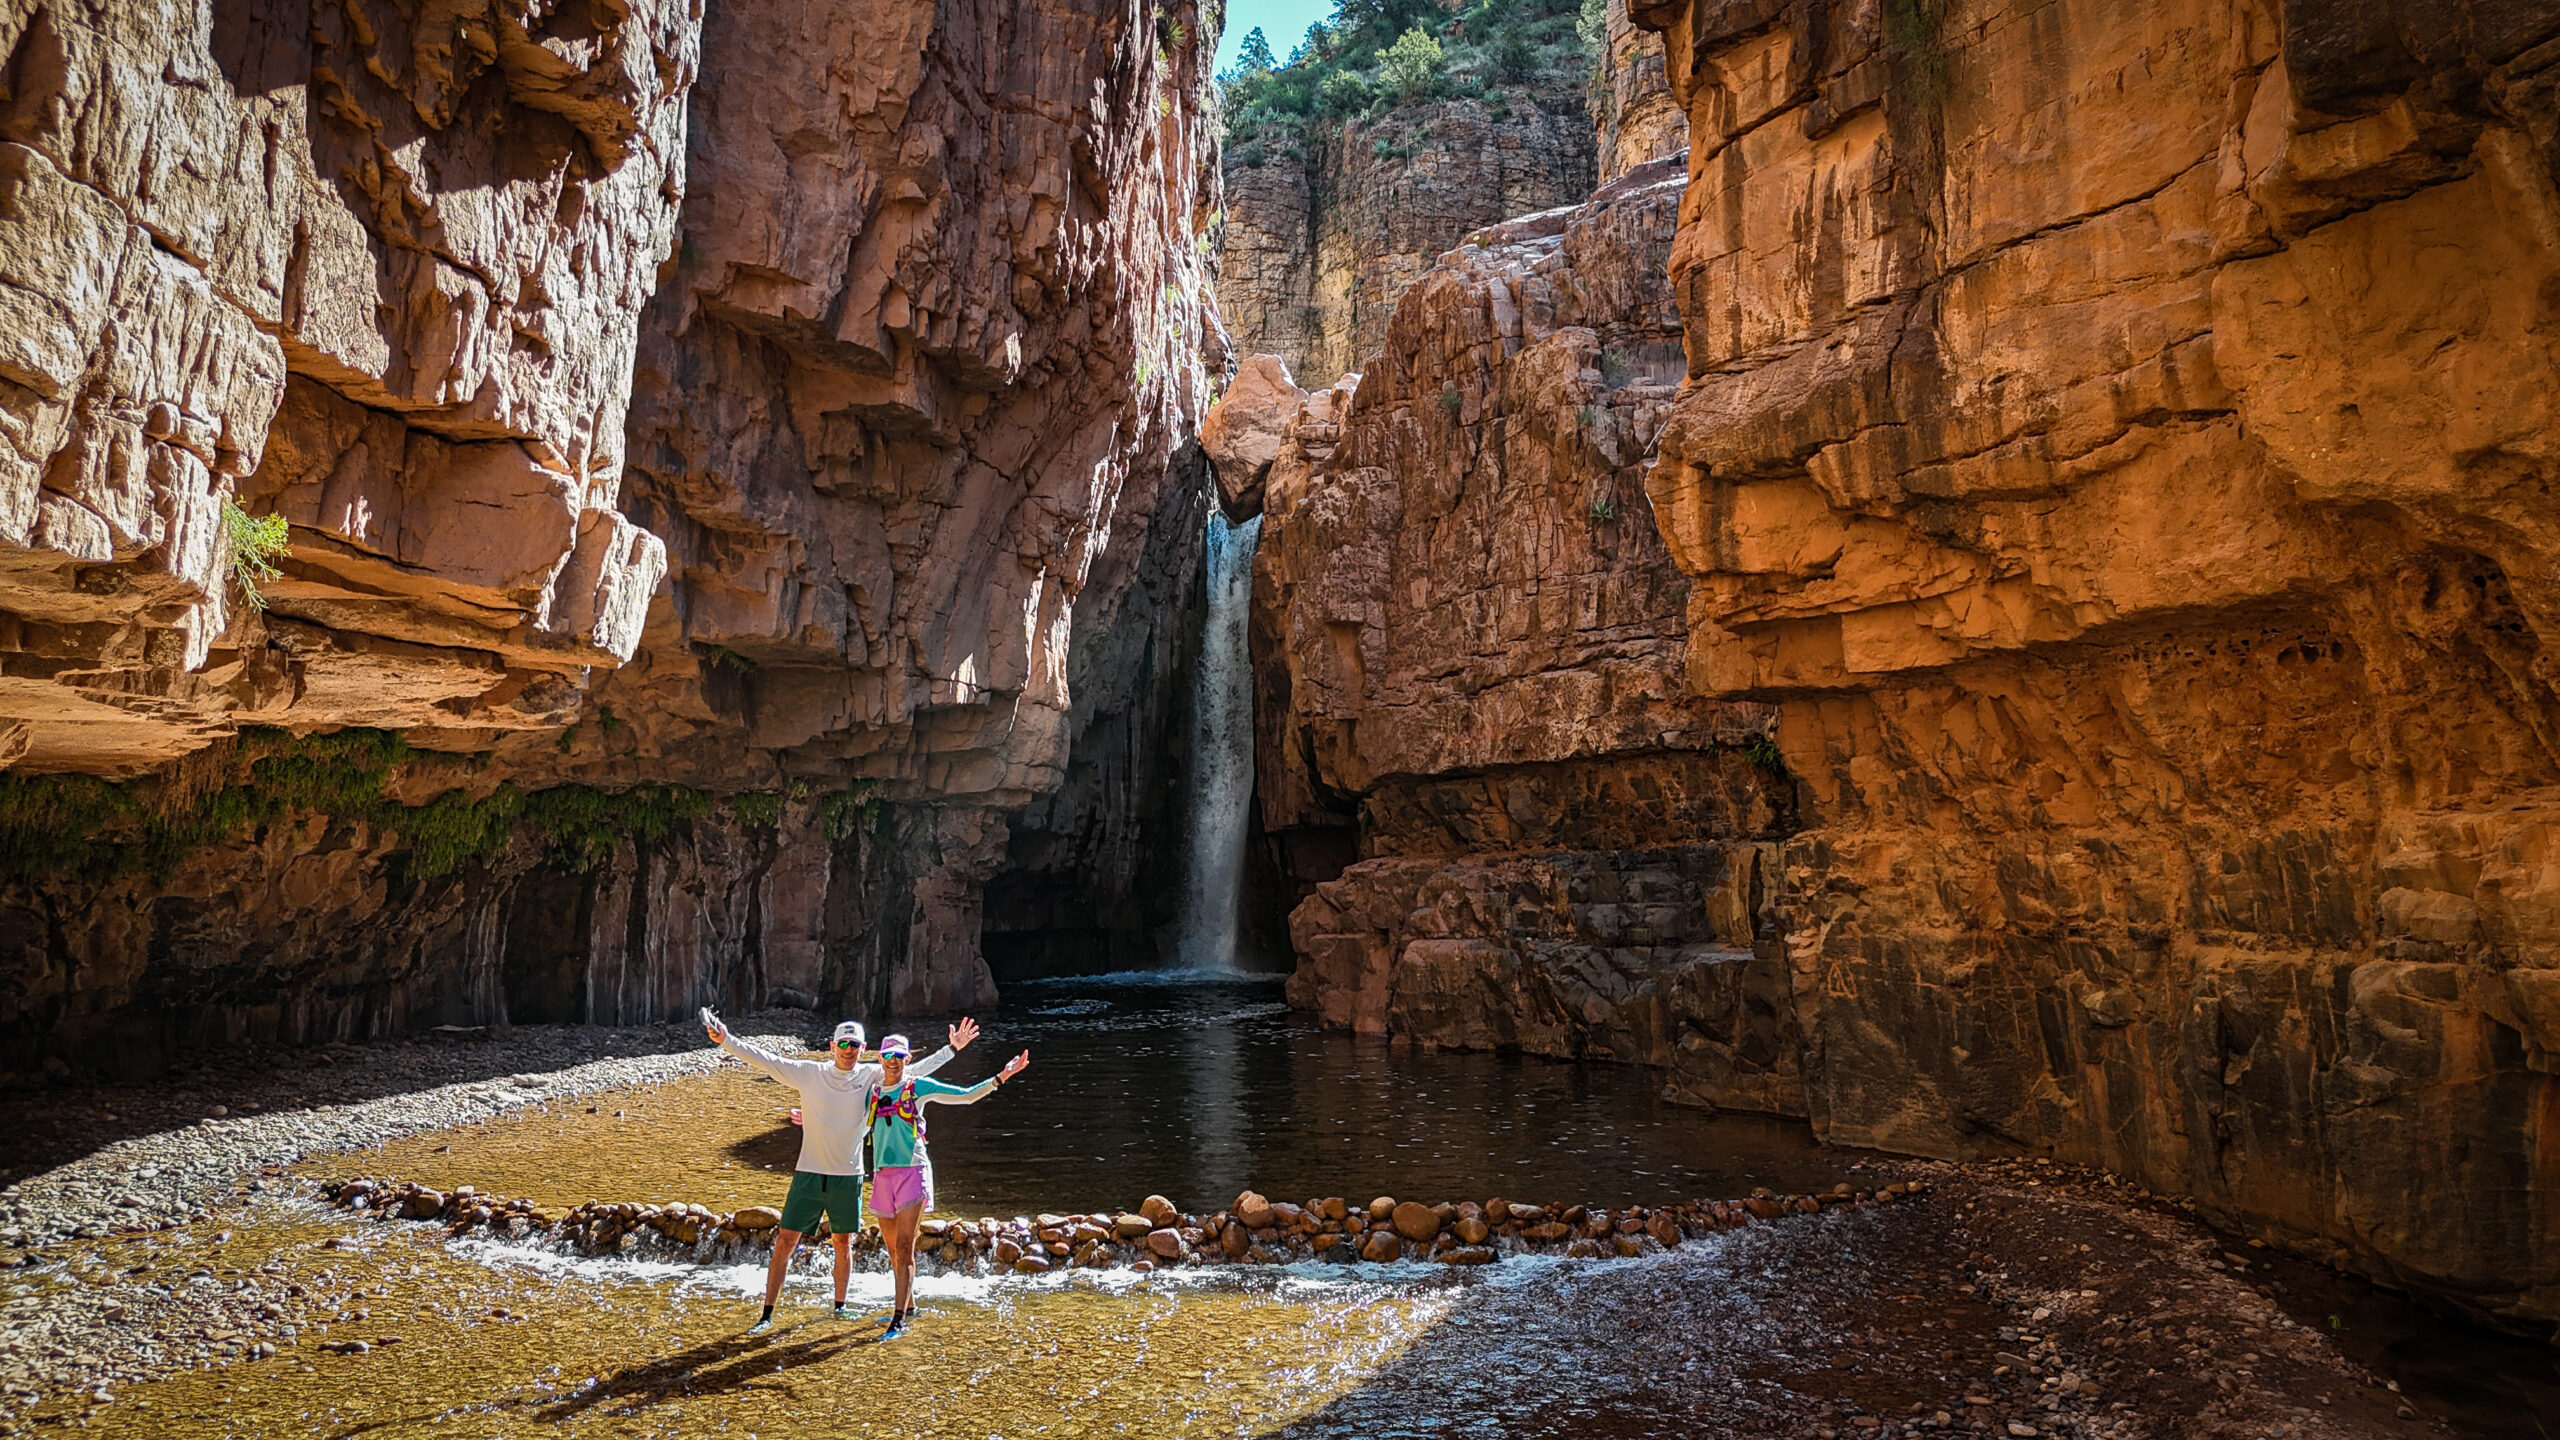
(218, 1111)
(1164, 1243)
(1160, 1210)
(757, 1217)
(1007, 1251)
(1381, 1208)
(1253, 1210)
(2021, 1430)
(1031, 1265)
(1382, 1247)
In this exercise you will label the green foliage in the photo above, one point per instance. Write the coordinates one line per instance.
(1603, 510)
(761, 808)
(1380, 53)
(1410, 67)
(1253, 55)
(1451, 402)
(852, 810)
(1585, 416)
(1911, 34)
(256, 541)
(1616, 365)
(581, 825)
(1344, 92)
(723, 657)
(81, 828)
(1764, 752)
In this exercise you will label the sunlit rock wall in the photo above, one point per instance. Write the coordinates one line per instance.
(1506, 820)
(2119, 436)
(378, 274)
(767, 398)
(1326, 229)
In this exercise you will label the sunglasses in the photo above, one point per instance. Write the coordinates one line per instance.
(848, 1044)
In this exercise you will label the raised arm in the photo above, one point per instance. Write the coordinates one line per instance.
(790, 1072)
(949, 1094)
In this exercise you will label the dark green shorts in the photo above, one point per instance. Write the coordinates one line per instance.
(839, 1197)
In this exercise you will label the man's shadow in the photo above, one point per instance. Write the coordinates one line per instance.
(711, 1368)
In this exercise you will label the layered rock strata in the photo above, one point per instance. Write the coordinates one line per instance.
(1325, 228)
(378, 275)
(2119, 437)
(1507, 820)
(766, 399)
(1633, 112)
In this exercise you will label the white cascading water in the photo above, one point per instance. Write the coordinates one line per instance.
(1221, 754)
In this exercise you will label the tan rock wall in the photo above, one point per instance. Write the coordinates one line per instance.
(1633, 110)
(1507, 821)
(2116, 436)
(1325, 230)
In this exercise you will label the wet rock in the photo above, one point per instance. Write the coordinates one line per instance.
(1467, 1255)
(1159, 1210)
(1471, 1230)
(1382, 1246)
(1165, 1244)
(1130, 1226)
(1415, 1221)
(1253, 1210)
(757, 1217)
(1031, 1265)
(1381, 1208)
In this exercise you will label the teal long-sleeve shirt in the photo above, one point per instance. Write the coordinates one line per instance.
(894, 1140)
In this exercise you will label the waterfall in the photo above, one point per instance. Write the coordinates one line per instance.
(1221, 754)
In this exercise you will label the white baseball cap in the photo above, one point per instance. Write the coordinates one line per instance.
(896, 1045)
(850, 1030)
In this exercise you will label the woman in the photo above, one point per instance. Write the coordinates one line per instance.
(901, 1173)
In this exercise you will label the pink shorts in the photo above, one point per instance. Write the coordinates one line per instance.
(895, 1187)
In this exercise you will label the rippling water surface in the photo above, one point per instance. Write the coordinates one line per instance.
(1193, 1091)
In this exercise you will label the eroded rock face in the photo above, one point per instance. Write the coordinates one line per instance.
(2146, 531)
(1479, 761)
(766, 398)
(1325, 232)
(1633, 110)
(375, 273)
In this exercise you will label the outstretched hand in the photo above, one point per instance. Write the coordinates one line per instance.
(963, 1033)
(1015, 1066)
(712, 1027)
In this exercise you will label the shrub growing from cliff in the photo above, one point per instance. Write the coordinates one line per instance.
(1411, 67)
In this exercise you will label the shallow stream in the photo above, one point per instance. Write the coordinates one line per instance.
(1194, 1092)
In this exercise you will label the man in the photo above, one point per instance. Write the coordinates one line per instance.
(835, 1101)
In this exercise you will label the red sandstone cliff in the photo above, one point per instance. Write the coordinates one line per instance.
(2113, 439)
(764, 397)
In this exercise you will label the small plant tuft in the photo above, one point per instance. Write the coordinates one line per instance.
(1764, 752)
(1603, 510)
(256, 541)
(1616, 365)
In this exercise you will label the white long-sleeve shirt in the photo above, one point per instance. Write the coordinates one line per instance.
(835, 1105)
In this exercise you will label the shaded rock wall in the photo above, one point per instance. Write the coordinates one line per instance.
(1325, 230)
(767, 398)
(2118, 436)
(1505, 819)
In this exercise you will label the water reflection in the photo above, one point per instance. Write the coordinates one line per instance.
(1197, 1090)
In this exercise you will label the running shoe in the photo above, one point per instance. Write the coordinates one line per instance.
(896, 1328)
(761, 1326)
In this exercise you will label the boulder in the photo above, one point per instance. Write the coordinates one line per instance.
(1415, 1221)
(1253, 1210)
(1160, 1210)
(1165, 1243)
(1382, 1247)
